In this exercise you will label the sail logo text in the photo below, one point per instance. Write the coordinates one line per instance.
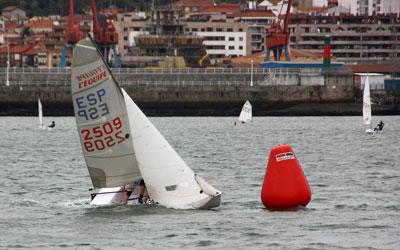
(92, 76)
(92, 106)
(285, 156)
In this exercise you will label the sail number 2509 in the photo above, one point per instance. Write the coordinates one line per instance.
(103, 136)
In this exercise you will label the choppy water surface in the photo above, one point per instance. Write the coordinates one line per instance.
(354, 177)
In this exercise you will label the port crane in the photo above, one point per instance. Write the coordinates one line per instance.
(106, 37)
(277, 37)
(72, 35)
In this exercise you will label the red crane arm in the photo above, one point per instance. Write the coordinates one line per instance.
(287, 17)
(71, 16)
(96, 26)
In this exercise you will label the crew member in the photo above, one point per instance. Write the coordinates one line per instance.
(52, 125)
(379, 126)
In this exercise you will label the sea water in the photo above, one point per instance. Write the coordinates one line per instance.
(354, 178)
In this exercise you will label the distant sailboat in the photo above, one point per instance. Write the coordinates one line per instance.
(367, 116)
(121, 146)
(40, 115)
(246, 115)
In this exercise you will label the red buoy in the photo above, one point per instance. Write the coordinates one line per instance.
(285, 185)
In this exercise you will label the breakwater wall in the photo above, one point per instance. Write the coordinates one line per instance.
(188, 91)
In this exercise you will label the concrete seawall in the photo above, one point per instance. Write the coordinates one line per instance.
(192, 91)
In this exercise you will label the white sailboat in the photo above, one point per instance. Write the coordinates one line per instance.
(40, 114)
(246, 115)
(121, 145)
(367, 107)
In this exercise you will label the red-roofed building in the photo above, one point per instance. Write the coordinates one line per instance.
(333, 3)
(111, 12)
(253, 14)
(312, 9)
(220, 8)
(12, 25)
(192, 6)
(40, 26)
(16, 54)
(31, 55)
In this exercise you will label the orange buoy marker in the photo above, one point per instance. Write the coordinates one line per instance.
(285, 185)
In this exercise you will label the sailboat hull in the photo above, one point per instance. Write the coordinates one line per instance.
(117, 196)
(113, 197)
(369, 131)
(209, 203)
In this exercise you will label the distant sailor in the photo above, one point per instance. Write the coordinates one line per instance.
(52, 125)
(379, 126)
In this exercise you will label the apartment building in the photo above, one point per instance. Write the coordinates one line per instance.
(129, 25)
(368, 7)
(223, 37)
(353, 38)
(257, 21)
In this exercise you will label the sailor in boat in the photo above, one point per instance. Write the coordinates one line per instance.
(379, 126)
(52, 125)
(128, 192)
(143, 195)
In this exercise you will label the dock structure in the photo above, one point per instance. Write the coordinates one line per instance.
(185, 91)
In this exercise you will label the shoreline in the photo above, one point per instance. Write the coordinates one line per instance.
(213, 109)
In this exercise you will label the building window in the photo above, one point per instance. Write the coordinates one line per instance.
(209, 29)
(219, 29)
(240, 30)
(194, 29)
(231, 47)
(240, 38)
(231, 39)
(229, 30)
(202, 29)
(240, 47)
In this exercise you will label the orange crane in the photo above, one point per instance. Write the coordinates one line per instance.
(106, 36)
(72, 35)
(277, 38)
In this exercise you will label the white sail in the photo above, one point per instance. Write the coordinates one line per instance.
(101, 119)
(40, 115)
(367, 103)
(246, 114)
(169, 180)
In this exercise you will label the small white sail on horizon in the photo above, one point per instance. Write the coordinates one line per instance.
(40, 114)
(120, 144)
(367, 114)
(246, 115)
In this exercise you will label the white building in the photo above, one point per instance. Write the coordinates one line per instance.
(221, 44)
(223, 38)
(366, 6)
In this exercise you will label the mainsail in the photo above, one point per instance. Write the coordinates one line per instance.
(246, 113)
(40, 114)
(367, 103)
(101, 119)
(169, 180)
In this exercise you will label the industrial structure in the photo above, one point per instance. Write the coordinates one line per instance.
(72, 36)
(277, 38)
(106, 37)
(167, 45)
